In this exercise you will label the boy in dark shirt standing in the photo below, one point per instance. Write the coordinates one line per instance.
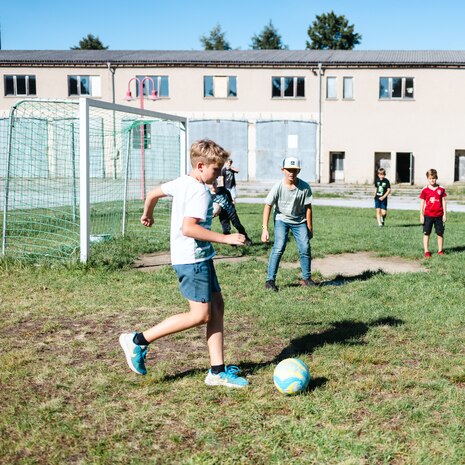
(383, 189)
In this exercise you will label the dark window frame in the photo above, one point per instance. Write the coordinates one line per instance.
(14, 82)
(287, 87)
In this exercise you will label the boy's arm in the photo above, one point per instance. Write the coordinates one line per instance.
(192, 228)
(150, 203)
(444, 208)
(266, 218)
(422, 209)
(388, 191)
(308, 217)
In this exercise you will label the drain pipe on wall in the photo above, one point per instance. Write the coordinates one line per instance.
(318, 157)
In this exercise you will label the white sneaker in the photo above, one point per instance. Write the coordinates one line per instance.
(226, 378)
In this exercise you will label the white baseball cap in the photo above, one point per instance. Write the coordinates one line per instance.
(291, 163)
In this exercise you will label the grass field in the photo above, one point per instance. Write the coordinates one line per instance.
(386, 354)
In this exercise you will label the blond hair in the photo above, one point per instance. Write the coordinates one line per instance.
(208, 152)
(432, 173)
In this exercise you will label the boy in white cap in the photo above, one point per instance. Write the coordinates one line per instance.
(292, 201)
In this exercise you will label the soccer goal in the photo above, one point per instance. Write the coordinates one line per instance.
(75, 173)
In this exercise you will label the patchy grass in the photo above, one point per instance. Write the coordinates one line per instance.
(386, 355)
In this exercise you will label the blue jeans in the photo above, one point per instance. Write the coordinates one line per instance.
(281, 236)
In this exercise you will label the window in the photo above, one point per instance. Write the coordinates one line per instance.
(161, 83)
(331, 90)
(348, 88)
(287, 87)
(19, 85)
(84, 85)
(220, 86)
(395, 88)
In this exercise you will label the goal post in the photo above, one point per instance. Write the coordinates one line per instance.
(75, 172)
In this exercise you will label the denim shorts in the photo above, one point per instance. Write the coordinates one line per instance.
(381, 203)
(197, 281)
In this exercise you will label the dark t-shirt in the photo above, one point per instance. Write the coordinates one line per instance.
(229, 178)
(382, 186)
(224, 199)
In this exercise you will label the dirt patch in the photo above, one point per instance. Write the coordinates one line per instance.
(348, 264)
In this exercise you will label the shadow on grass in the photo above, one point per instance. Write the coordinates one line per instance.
(346, 332)
(340, 280)
(460, 248)
(407, 225)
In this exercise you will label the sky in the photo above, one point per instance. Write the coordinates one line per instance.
(178, 24)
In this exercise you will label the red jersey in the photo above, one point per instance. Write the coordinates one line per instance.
(433, 200)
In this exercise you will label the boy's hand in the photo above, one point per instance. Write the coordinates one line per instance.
(422, 219)
(265, 235)
(146, 220)
(235, 239)
(310, 233)
(444, 218)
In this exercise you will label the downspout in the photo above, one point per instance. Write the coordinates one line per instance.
(318, 158)
(112, 71)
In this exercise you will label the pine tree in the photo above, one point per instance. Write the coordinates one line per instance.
(216, 40)
(90, 42)
(332, 32)
(268, 39)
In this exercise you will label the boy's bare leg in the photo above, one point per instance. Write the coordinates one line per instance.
(426, 242)
(215, 330)
(378, 215)
(199, 314)
(440, 243)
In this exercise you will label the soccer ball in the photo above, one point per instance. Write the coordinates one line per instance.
(291, 376)
(216, 209)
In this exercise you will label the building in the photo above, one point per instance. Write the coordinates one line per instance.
(345, 113)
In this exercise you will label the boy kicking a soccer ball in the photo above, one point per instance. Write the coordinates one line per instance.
(192, 259)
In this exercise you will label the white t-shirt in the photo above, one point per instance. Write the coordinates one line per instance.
(192, 199)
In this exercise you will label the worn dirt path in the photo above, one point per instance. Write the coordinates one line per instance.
(348, 264)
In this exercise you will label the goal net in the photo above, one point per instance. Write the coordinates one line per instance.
(75, 173)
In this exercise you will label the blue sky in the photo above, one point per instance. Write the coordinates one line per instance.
(178, 24)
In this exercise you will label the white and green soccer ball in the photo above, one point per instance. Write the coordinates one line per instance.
(291, 376)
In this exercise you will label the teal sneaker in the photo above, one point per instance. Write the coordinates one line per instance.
(227, 378)
(135, 354)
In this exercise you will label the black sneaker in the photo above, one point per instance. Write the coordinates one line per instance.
(271, 285)
(248, 242)
(307, 283)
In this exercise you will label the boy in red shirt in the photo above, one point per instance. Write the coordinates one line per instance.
(433, 211)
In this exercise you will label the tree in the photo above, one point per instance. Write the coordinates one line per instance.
(268, 39)
(332, 32)
(90, 42)
(216, 40)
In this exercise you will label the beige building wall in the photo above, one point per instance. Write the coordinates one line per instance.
(430, 126)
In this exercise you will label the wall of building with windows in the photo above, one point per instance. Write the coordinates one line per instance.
(403, 114)
(405, 119)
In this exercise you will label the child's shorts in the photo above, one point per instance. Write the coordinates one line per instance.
(438, 225)
(197, 281)
(381, 203)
